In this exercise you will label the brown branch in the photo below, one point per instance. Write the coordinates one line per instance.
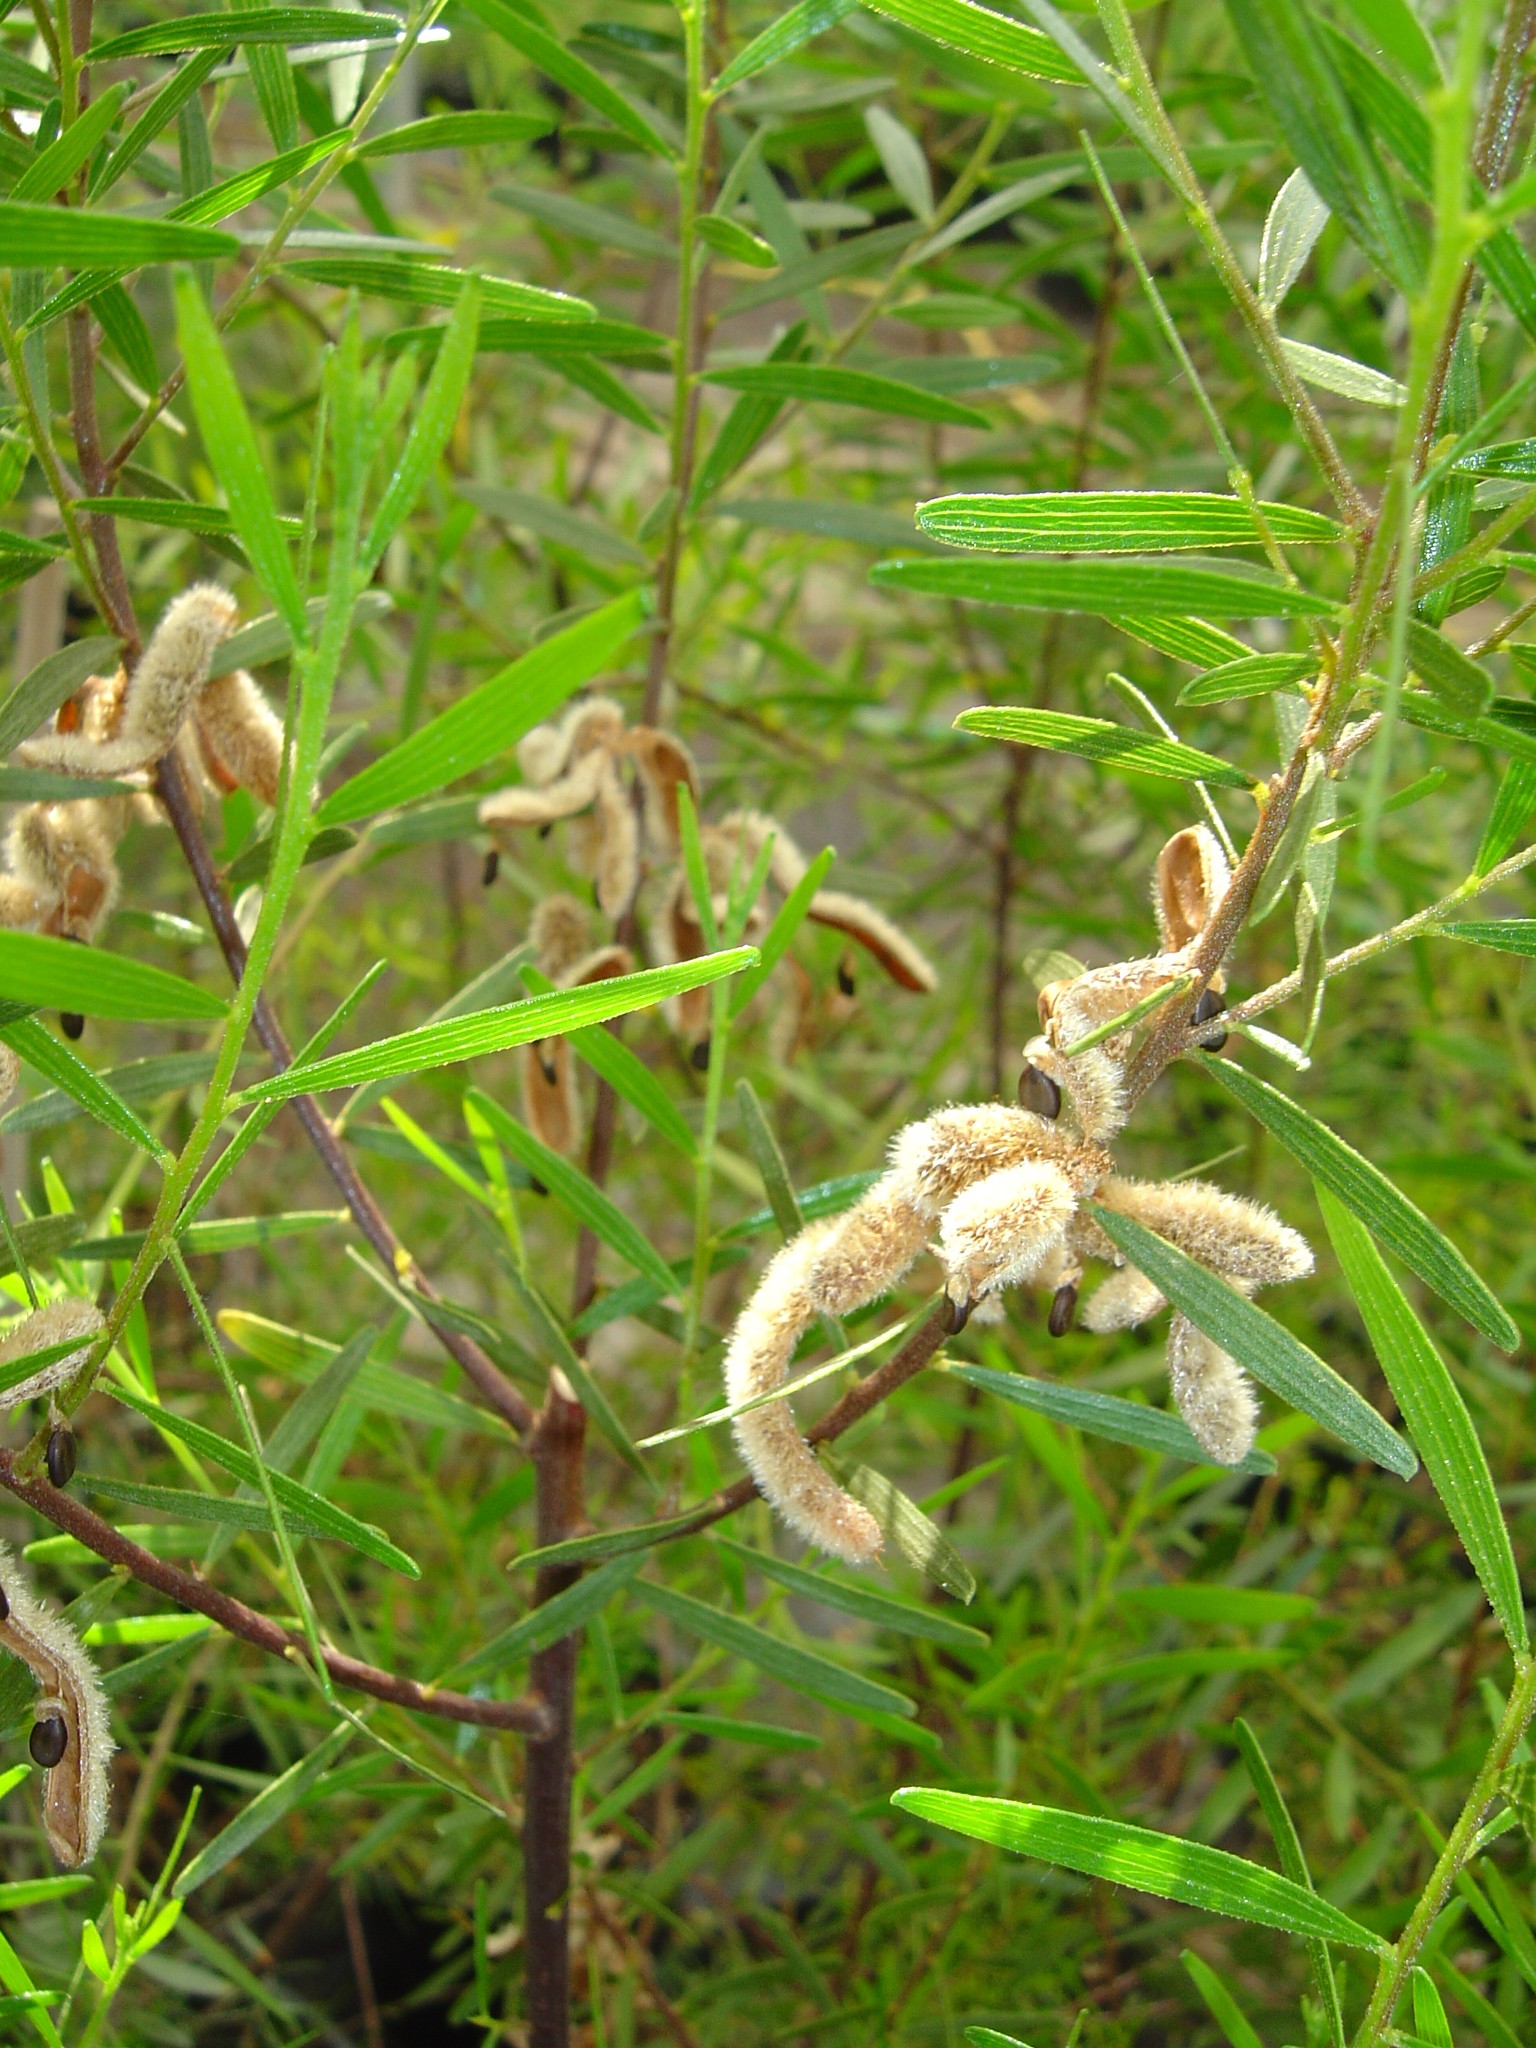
(529, 1716)
(494, 1387)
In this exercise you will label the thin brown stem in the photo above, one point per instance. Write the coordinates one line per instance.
(490, 1382)
(557, 1446)
(362, 1969)
(529, 1715)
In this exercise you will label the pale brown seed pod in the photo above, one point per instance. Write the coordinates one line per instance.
(895, 952)
(560, 931)
(1241, 1240)
(543, 803)
(56, 1322)
(663, 763)
(66, 854)
(172, 670)
(1004, 1229)
(71, 1734)
(1191, 877)
(757, 1362)
(240, 735)
(1212, 1392)
(616, 849)
(1121, 1302)
(23, 908)
(871, 1247)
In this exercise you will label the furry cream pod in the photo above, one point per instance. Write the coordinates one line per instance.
(71, 1730)
(56, 1322)
(999, 1190)
(125, 725)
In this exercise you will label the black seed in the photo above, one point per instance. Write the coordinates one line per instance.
(1039, 1093)
(956, 1315)
(537, 1186)
(492, 867)
(5, 1606)
(1211, 1004)
(71, 1023)
(698, 1058)
(547, 1065)
(1063, 1309)
(545, 830)
(48, 1741)
(60, 1455)
(845, 980)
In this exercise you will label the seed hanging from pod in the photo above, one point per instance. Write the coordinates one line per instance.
(1038, 1093)
(61, 1454)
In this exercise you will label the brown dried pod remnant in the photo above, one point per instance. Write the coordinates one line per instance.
(561, 936)
(1001, 1187)
(71, 1732)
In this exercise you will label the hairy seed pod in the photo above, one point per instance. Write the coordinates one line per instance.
(1212, 1393)
(56, 1322)
(1191, 878)
(71, 1734)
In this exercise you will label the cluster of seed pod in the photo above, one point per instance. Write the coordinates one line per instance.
(999, 1188)
(619, 784)
(61, 874)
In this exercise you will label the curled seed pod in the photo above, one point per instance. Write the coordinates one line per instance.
(61, 1454)
(71, 1736)
(1063, 1309)
(1039, 1094)
(49, 1739)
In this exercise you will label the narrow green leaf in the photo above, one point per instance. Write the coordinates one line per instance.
(1192, 640)
(1364, 1189)
(585, 1200)
(1254, 675)
(1111, 522)
(1105, 1415)
(978, 32)
(54, 1060)
(1442, 1430)
(1342, 375)
(137, 1081)
(628, 1076)
(607, 1543)
(1292, 69)
(557, 1618)
(1098, 739)
(1454, 677)
(421, 282)
(211, 1508)
(37, 237)
(830, 384)
(38, 695)
(466, 1038)
(556, 61)
(726, 1728)
(1228, 2014)
(491, 719)
(59, 975)
(270, 1805)
(547, 517)
(1503, 934)
(903, 1524)
(796, 25)
(802, 1670)
(230, 444)
(475, 128)
(433, 424)
(878, 1608)
(268, 639)
(1431, 1628)
(730, 238)
(584, 222)
(235, 1459)
(52, 171)
(1235, 1606)
(1169, 1868)
(383, 1388)
(554, 1345)
(1269, 1351)
(1227, 590)
(1293, 1862)
(769, 1161)
(279, 25)
(1507, 821)
(218, 202)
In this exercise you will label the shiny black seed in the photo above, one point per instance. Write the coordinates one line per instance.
(1063, 1309)
(956, 1315)
(1211, 1004)
(536, 1186)
(492, 867)
(5, 1606)
(545, 830)
(48, 1741)
(71, 1023)
(60, 1455)
(845, 980)
(1039, 1093)
(698, 1058)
